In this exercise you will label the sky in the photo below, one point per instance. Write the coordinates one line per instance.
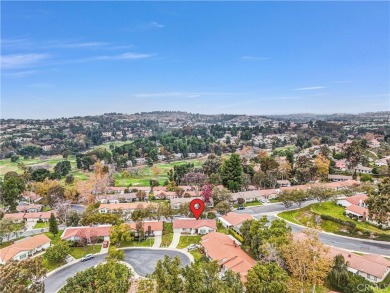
(64, 59)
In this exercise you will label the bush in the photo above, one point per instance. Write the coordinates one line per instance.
(339, 221)
(234, 233)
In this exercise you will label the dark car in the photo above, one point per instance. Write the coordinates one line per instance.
(240, 208)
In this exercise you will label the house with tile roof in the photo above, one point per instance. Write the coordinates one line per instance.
(193, 226)
(358, 199)
(234, 220)
(31, 208)
(228, 253)
(372, 267)
(86, 233)
(30, 217)
(336, 178)
(121, 208)
(24, 248)
(151, 228)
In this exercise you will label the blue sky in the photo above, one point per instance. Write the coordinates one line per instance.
(62, 59)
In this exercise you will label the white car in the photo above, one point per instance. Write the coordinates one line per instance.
(192, 247)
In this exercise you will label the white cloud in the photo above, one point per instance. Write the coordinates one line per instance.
(184, 94)
(126, 56)
(21, 60)
(254, 58)
(80, 45)
(149, 26)
(310, 88)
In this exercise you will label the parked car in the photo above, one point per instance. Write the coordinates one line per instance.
(105, 243)
(192, 247)
(240, 208)
(87, 257)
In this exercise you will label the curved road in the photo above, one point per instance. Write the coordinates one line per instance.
(143, 261)
(354, 244)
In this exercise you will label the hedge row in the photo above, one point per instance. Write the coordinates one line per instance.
(234, 233)
(339, 221)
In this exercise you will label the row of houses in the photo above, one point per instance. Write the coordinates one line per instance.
(372, 267)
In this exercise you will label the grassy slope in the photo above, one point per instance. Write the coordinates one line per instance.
(305, 216)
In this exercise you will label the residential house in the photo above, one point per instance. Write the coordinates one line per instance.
(123, 208)
(381, 162)
(372, 267)
(226, 251)
(234, 220)
(151, 228)
(283, 183)
(337, 178)
(358, 211)
(32, 208)
(340, 185)
(30, 217)
(31, 197)
(193, 226)
(87, 233)
(341, 165)
(118, 198)
(358, 199)
(24, 248)
(363, 170)
(140, 161)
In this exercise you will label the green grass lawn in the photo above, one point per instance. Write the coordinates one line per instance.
(54, 239)
(187, 240)
(146, 243)
(167, 235)
(145, 174)
(222, 229)
(306, 217)
(40, 225)
(79, 252)
(273, 200)
(196, 254)
(50, 265)
(6, 165)
(248, 204)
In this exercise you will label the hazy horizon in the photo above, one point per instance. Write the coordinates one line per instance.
(65, 59)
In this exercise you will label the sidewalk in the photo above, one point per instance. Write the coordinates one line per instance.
(175, 240)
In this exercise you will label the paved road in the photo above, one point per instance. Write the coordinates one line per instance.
(142, 260)
(30, 233)
(353, 244)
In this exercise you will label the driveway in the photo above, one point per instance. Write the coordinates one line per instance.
(142, 260)
(175, 240)
(30, 225)
(157, 241)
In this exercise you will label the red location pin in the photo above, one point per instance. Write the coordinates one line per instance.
(197, 207)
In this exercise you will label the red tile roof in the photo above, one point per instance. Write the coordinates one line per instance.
(154, 225)
(355, 199)
(223, 249)
(26, 244)
(86, 231)
(235, 219)
(194, 224)
(124, 206)
(371, 264)
(357, 210)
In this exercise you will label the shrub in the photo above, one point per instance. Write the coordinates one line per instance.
(339, 221)
(234, 233)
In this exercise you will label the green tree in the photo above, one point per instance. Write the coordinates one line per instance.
(72, 219)
(146, 286)
(267, 278)
(40, 174)
(223, 207)
(167, 275)
(121, 233)
(232, 282)
(58, 252)
(153, 183)
(109, 277)
(11, 188)
(320, 193)
(23, 276)
(231, 173)
(338, 277)
(69, 179)
(115, 254)
(53, 226)
(62, 168)
(9, 228)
